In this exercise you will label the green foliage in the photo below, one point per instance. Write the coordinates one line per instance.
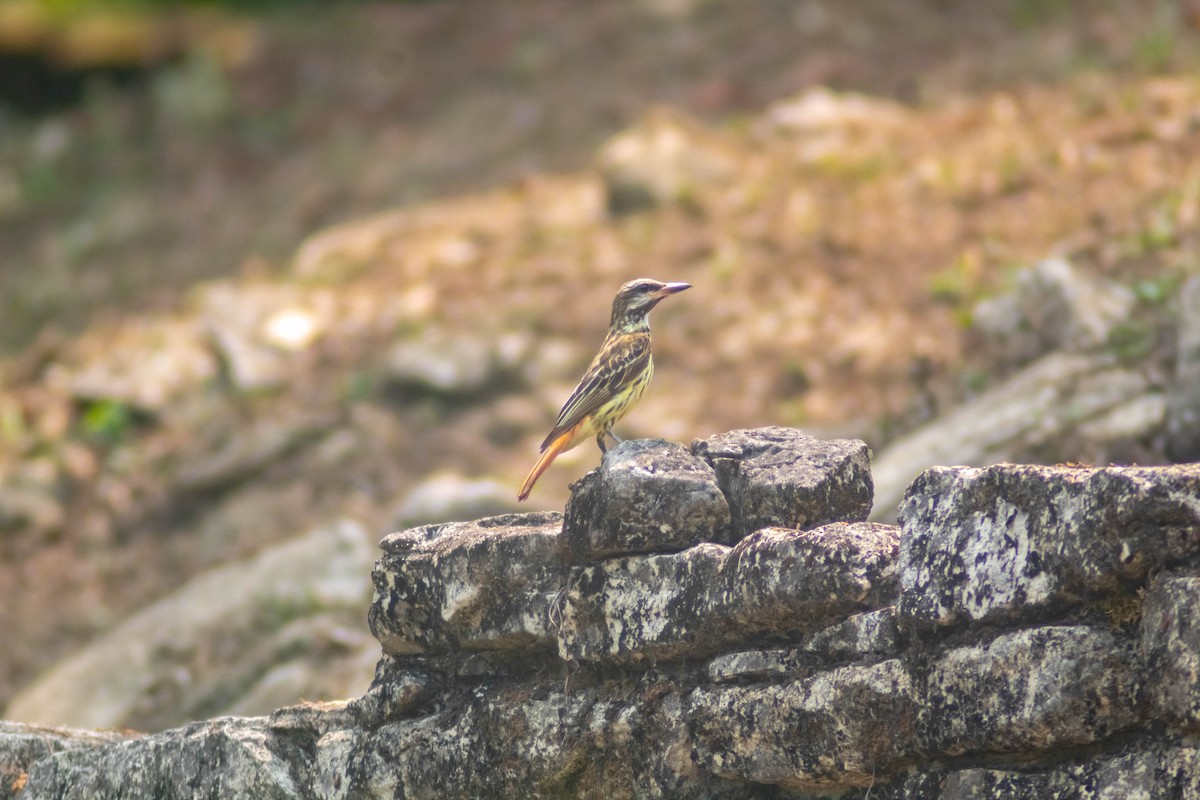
(360, 387)
(196, 91)
(1035, 13)
(107, 421)
(959, 284)
(1155, 291)
(1134, 340)
(1155, 50)
(12, 423)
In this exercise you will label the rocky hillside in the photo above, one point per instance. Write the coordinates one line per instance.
(977, 249)
(719, 621)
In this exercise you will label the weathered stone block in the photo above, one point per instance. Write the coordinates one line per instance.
(834, 569)
(221, 758)
(484, 585)
(756, 665)
(1170, 646)
(642, 606)
(616, 739)
(809, 733)
(1011, 542)
(778, 476)
(22, 746)
(1138, 775)
(647, 496)
(692, 604)
(1029, 690)
(869, 636)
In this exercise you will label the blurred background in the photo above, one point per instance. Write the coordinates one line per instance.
(277, 278)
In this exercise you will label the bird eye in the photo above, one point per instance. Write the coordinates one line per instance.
(646, 288)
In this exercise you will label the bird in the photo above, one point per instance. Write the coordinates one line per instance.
(615, 380)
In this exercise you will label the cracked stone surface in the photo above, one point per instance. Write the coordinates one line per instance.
(782, 477)
(647, 496)
(1028, 633)
(712, 596)
(1032, 689)
(1170, 645)
(484, 585)
(1010, 542)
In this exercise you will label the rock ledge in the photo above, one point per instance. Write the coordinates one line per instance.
(721, 622)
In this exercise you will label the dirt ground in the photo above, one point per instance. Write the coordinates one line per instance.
(834, 286)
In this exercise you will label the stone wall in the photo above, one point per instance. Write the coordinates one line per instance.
(720, 621)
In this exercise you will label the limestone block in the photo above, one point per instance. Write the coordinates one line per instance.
(778, 476)
(1010, 542)
(870, 636)
(693, 604)
(221, 758)
(647, 496)
(1032, 689)
(809, 733)
(620, 738)
(1170, 645)
(1138, 775)
(21, 746)
(483, 585)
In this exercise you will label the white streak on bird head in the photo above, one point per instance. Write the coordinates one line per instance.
(634, 301)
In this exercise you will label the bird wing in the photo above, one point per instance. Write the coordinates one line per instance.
(621, 359)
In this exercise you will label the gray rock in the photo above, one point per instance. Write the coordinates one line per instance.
(647, 496)
(925, 783)
(484, 585)
(642, 606)
(445, 364)
(23, 745)
(261, 330)
(621, 738)
(1078, 406)
(794, 662)
(1183, 401)
(1010, 542)
(209, 646)
(985, 784)
(147, 364)
(690, 604)
(757, 665)
(866, 636)
(1054, 307)
(662, 159)
(820, 110)
(1036, 689)
(802, 734)
(1139, 775)
(870, 636)
(450, 497)
(250, 449)
(224, 757)
(782, 477)
(1170, 645)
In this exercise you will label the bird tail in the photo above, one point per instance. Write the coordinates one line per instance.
(548, 455)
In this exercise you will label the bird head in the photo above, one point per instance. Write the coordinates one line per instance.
(635, 299)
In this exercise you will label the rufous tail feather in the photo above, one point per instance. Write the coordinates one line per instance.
(551, 453)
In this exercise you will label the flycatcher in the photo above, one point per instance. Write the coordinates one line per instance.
(616, 379)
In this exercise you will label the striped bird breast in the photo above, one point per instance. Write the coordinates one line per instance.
(626, 399)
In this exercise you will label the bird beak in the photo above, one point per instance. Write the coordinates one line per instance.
(670, 289)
